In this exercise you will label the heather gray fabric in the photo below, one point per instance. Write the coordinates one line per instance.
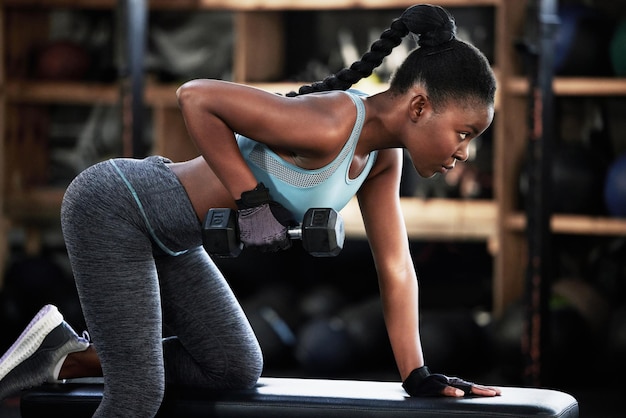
(134, 243)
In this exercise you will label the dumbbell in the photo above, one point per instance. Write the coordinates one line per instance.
(322, 232)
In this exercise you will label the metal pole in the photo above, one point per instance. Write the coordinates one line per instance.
(134, 22)
(542, 25)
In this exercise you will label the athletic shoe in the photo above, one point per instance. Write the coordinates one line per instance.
(37, 355)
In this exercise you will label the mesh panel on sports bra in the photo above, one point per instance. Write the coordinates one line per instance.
(262, 158)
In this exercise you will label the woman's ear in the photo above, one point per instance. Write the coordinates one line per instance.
(417, 105)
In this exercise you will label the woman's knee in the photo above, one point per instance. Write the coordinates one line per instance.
(135, 399)
(250, 366)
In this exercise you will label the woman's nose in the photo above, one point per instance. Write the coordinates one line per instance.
(462, 153)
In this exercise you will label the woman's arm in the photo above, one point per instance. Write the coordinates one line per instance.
(384, 223)
(214, 110)
(386, 231)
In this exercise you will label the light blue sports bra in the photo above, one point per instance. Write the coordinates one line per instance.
(299, 189)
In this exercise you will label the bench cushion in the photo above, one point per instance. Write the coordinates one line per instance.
(286, 397)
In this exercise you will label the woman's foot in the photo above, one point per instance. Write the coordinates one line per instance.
(38, 354)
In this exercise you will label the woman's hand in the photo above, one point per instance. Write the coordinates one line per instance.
(423, 383)
(263, 223)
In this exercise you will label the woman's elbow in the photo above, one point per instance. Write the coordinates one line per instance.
(192, 90)
(185, 91)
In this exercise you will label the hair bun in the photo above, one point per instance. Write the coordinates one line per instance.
(436, 37)
(433, 25)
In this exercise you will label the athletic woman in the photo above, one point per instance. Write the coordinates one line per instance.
(133, 227)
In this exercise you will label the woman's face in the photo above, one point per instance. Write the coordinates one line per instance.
(438, 140)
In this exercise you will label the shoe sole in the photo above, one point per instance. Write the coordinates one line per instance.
(31, 338)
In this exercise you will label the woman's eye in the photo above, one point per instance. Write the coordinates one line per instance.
(464, 135)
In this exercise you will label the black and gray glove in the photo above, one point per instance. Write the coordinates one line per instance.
(263, 222)
(421, 382)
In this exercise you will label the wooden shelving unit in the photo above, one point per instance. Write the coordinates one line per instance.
(573, 86)
(511, 260)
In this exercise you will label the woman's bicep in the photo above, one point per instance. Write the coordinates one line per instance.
(266, 117)
(239, 107)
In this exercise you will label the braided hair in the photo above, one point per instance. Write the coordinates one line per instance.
(446, 66)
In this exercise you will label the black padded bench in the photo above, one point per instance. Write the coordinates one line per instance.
(283, 397)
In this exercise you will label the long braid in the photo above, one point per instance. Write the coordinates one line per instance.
(432, 25)
(363, 68)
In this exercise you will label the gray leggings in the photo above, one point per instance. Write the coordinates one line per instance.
(134, 243)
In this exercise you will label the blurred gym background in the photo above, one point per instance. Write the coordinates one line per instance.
(321, 317)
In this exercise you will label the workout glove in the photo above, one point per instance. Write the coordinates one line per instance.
(421, 382)
(263, 223)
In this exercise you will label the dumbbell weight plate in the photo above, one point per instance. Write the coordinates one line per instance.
(221, 234)
(323, 232)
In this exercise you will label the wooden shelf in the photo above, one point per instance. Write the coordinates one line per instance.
(317, 4)
(251, 5)
(574, 86)
(35, 206)
(26, 91)
(164, 95)
(574, 224)
(76, 4)
(433, 219)
(80, 92)
(436, 219)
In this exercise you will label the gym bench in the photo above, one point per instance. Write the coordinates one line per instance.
(286, 397)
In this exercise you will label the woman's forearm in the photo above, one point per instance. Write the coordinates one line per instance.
(400, 309)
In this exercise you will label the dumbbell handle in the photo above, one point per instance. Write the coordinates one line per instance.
(295, 233)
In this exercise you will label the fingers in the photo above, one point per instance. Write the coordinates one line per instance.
(485, 391)
(476, 390)
(452, 392)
